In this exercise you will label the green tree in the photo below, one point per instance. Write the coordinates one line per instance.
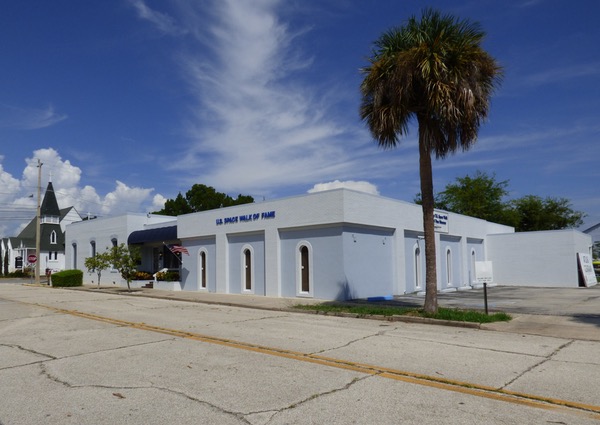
(175, 207)
(433, 70)
(534, 213)
(201, 198)
(480, 196)
(596, 250)
(125, 259)
(98, 263)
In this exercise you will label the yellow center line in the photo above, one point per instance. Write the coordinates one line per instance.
(399, 375)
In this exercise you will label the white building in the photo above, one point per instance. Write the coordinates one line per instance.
(14, 251)
(86, 238)
(343, 244)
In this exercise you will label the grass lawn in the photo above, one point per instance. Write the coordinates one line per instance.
(384, 310)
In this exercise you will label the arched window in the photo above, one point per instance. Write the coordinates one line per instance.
(92, 248)
(74, 256)
(417, 266)
(448, 267)
(247, 269)
(202, 276)
(473, 259)
(53, 237)
(304, 269)
(114, 242)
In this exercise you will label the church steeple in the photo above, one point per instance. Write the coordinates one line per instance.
(49, 211)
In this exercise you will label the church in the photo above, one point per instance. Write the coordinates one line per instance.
(53, 221)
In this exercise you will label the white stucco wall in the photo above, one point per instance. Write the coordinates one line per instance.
(547, 258)
(375, 265)
(360, 245)
(102, 231)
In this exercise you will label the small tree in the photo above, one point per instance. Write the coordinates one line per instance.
(98, 263)
(125, 259)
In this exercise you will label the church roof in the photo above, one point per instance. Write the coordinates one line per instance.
(49, 205)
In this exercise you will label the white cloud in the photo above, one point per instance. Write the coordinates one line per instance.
(571, 72)
(163, 22)
(361, 186)
(251, 128)
(9, 186)
(125, 199)
(28, 119)
(158, 202)
(19, 208)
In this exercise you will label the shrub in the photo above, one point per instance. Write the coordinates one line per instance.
(67, 278)
(168, 276)
(18, 274)
(142, 276)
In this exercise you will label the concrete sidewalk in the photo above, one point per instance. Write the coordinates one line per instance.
(572, 313)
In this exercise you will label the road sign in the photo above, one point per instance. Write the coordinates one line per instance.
(32, 258)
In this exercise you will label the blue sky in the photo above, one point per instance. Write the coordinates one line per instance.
(128, 102)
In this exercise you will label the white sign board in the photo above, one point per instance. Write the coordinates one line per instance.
(440, 221)
(484, 272)
(587, 269)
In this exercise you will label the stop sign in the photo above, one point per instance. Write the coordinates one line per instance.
(32, 258)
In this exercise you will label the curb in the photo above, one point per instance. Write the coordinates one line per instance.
(394, 318)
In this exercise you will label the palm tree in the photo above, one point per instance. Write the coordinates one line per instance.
(435, 70)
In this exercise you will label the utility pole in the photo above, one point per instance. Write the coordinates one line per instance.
(38, 226)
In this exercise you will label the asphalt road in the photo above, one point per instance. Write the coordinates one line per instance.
(572, 302)
(75, 357)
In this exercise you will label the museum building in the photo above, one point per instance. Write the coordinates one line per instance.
(333, 245)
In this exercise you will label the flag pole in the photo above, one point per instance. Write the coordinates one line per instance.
(180, 260)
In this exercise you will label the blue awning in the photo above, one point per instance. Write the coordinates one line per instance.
(160, 234)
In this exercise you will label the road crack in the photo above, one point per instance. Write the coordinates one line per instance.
(311, 398)
(120, 392)
(257, 319)
(538, 364)
(380, 333)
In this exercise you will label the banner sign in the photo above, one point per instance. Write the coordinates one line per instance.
(484, 272)
(440, 221)
(587, 269)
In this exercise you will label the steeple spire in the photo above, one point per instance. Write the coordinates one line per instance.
(49, 204)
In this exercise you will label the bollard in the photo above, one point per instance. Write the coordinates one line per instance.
(485, 297)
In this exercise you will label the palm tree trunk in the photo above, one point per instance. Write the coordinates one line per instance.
(426, 175)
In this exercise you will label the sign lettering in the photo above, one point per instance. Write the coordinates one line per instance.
(246, 218)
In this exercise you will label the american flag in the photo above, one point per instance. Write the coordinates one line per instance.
(178, 248)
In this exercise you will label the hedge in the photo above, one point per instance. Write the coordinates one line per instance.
(67, 278)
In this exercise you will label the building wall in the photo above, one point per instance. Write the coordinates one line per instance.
(191, 271)
(325, 262)
(71, 217)
(357, 246)
(369, 265)
(238, 245)
(451, 260)
(102, 232)
(547, 258)
(360, 245)
(475, 252)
